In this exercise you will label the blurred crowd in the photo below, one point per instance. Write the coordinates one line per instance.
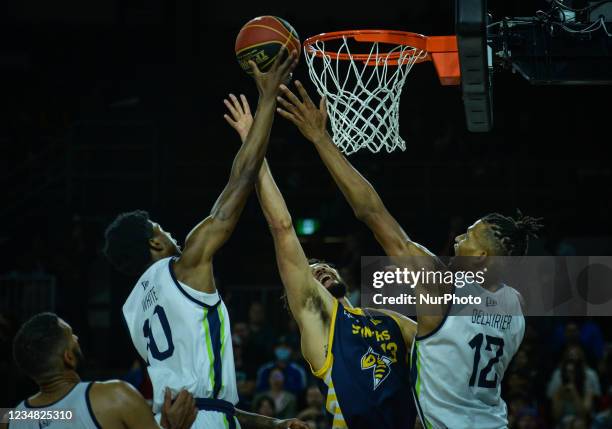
(561, 377)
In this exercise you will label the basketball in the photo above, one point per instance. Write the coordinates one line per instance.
(262, 38)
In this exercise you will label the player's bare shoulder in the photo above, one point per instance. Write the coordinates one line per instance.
(111, 391)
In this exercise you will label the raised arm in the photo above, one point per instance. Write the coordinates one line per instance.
(310, 303)
(210, 234)
(360, 194)
(363, 198)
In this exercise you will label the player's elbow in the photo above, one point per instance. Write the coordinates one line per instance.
(281, 224)
(244, 175)
(368, 212)
(364, 214)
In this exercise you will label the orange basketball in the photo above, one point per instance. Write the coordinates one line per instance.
(261, 39)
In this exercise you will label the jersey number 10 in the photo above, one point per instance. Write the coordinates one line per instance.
(476, 344)
(148, 333)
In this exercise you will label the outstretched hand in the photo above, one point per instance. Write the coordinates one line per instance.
(310, 119)
(268, 83)
(241, 118)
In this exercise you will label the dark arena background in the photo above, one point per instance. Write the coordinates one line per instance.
(110, 106)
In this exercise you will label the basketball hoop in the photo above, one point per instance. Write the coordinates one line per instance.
(363, 88)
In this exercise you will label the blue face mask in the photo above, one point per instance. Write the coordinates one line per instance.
(282, 353)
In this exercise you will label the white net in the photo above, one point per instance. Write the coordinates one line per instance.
(363, 96)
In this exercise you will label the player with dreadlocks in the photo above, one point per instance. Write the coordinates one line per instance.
(457, 361)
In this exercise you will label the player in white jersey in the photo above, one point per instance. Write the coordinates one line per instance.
(492, 235)
(176, 319)
(46, 349)
(482, 339)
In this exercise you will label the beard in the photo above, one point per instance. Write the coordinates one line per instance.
(337, 289)
(80, 359)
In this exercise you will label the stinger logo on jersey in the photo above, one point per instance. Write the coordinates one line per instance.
(379, 363)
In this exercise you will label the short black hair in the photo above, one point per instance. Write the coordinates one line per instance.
(38, 345)
(127, 242)
(513, 234)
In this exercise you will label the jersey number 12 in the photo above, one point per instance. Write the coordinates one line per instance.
(476, 344)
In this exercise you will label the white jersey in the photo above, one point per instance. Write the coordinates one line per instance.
(458, 368)
(73, 410)
(185, 337)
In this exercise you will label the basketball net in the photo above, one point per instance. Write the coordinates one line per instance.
(363, 96)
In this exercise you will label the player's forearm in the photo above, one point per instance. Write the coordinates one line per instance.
(251, 154)
(292, 262)
(246, 164)
(255, 421)
(271, 200)
(359, 193)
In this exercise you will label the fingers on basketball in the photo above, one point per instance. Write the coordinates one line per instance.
(262, 38)
(287, 60)
(280, 58)
(254, 69)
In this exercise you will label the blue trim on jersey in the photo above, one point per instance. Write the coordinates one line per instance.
(183, 291)
(208, 404)
(27, 405)
(214, 323)
(91, 413)
(448, 310)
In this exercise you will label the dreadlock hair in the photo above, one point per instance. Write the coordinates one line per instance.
(513, 234)
(127, 242)
(38, 344)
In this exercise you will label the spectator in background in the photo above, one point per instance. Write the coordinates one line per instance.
(602, 420)
(294, 339)
(314, 405)
(528, 418)
(577, 423)
(584, 333)
(242, 334)
(523, 366)
(517, 402)
(575, 355)
(605, 373)
(285, 402)
(261, 336)
(572, 398)
(293, 374)
(516, 383)
(245, 374)
(264, 405)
